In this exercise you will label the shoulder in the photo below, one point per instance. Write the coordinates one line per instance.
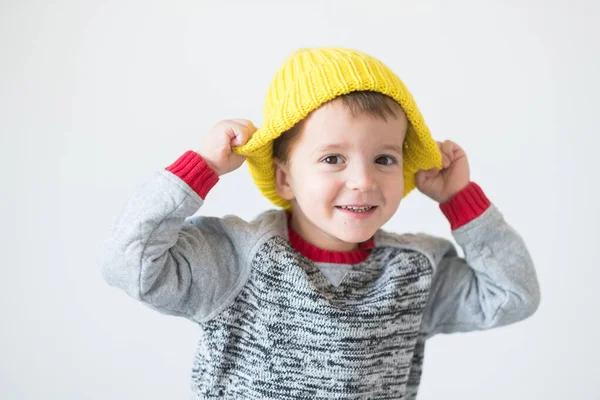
(242, 234)
(433, 247)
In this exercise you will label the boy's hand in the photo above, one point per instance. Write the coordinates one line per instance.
(441, 185)
(216, 147)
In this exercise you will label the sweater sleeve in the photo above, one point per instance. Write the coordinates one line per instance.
(172, 263)
(495, 284)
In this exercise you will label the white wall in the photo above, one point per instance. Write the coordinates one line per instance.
(97, 95)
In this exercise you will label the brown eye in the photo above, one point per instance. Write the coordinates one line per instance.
(332, 159)
(385, 160)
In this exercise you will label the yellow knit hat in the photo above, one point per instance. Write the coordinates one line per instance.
(311, 77)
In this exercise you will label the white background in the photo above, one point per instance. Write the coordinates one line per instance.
(95, 96)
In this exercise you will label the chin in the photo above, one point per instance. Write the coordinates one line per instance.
(356, 238)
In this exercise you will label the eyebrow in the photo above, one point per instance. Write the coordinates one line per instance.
(393, 147)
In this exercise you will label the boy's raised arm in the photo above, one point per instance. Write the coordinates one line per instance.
(494, 285)
(156, 257)
(175, 264)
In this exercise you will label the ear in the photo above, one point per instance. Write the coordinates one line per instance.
(282, 184)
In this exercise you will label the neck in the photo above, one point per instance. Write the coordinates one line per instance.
(350, 254)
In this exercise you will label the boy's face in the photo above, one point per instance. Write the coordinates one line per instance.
(340, 161)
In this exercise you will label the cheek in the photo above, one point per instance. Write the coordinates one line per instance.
(393, 188)
(316, 188)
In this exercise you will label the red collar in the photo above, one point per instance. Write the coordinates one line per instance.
(317, 254)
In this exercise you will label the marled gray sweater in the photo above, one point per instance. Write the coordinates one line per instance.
(279, 326)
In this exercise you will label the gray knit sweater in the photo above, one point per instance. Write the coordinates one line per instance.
(277, 325)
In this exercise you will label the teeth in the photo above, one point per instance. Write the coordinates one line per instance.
(356, 209)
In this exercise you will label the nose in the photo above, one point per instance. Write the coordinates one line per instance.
(360, 178)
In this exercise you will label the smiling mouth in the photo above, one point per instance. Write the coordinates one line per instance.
(357, 209)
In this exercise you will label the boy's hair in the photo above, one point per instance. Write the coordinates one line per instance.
(363, 102)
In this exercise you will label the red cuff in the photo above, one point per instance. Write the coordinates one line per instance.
(192, 169)
(465, 206)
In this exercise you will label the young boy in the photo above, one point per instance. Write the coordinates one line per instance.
(314, 300)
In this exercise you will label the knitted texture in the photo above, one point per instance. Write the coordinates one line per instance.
(311, 77)
(290, 334)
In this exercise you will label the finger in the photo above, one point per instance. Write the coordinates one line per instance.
(447, 150)
(240, 136)
(238, 133)
(246, 122)
(448, 147)
(247, 127)
(458, 151)
(451, 148)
